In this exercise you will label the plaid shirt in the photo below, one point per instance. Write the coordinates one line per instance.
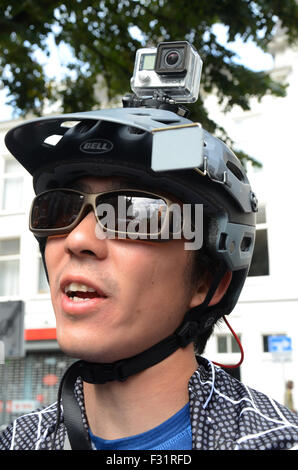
(224, 414)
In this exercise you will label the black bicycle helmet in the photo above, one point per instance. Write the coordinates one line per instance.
(126, 142)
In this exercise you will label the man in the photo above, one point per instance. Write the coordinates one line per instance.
(288, 398)
(135, 294)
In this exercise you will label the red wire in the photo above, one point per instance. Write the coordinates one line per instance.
(232, 366)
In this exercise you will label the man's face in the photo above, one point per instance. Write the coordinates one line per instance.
(130, 294)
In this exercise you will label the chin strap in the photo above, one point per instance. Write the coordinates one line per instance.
(97, 373)
(100, 373)
(203, 316)
(196, 320)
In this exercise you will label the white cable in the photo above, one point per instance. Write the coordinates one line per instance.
(212, 385)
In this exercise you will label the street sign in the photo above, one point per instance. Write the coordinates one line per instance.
(18, 406)
(279, 343)
(281, 347)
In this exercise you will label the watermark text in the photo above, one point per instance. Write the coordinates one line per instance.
(143, 220)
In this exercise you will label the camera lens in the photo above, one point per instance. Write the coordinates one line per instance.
(172, 58)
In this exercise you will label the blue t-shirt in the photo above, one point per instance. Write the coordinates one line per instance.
(173, 434)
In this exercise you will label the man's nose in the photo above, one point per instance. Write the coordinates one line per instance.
(82, 240)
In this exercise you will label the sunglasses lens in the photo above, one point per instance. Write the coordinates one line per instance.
(55, 209)
(132, 213)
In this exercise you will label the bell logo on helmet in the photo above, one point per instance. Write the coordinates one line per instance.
(96, 146)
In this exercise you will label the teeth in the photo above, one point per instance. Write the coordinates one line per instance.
(79, 299)
(76, 287)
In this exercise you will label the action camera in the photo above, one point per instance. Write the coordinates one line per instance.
(173, 68)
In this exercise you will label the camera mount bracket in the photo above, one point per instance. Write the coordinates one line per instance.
(158, 100)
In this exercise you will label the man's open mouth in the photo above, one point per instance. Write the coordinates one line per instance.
(81, 292)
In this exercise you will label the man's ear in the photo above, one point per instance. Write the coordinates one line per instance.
(221, 289)
(204, 286)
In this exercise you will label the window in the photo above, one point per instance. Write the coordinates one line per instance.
(12, 186)
(260, 259)
(9, 266)
(43, 286)
(227, 344)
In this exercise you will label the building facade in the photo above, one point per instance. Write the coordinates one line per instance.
(29, 381)
(268, 305)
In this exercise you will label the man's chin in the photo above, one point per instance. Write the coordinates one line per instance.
(80, 352)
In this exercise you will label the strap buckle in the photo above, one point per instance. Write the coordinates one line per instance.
(118, 371)
(97, 373)
(187, 333)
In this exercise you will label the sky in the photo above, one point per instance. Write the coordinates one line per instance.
(55, 65)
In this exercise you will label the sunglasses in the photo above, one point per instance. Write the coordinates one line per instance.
(121, 213)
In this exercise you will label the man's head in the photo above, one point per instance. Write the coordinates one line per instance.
(150, 285)
(290, 384)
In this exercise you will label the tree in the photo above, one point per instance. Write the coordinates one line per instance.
(99, 35)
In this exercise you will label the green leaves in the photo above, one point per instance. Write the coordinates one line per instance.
(99, 34)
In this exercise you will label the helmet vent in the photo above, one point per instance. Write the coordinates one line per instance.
(84, 126)
(235, 170)
(245, 244)
(53, 139)
(69, 124)
(135, 130)
(223, 242)
(166, 121)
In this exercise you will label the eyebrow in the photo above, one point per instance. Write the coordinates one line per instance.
(121, 183)
(85, 187)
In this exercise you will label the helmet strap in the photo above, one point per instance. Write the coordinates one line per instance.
(206, 317)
